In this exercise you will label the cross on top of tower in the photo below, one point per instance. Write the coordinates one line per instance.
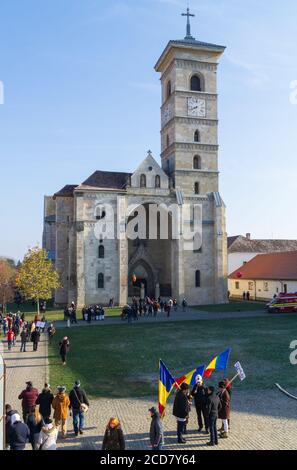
(188, 15)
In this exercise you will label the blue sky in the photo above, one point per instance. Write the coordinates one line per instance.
(81, 94)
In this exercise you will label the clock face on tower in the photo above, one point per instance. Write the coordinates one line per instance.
(196, 107)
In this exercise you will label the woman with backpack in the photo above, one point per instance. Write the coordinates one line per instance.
(113, 437)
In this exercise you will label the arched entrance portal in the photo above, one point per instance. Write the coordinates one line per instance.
(144, 279)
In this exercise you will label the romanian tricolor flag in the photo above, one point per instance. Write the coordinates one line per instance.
(166, 382)
(220, 362)
(190, 378)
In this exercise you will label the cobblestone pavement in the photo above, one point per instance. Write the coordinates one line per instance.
(260, 419)
(189, 315)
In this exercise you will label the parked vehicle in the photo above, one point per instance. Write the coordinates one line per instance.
(283, 303)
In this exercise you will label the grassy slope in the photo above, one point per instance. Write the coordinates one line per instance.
(122, 360)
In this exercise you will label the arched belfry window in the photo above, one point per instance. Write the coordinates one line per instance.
(142, 181)
(169, 89)
(198, 278)
(157, 181)
(196, 83)
(197, 162)
(100, 281)
(197, 188)
(101, 252)
(100, 212)
(197, 136)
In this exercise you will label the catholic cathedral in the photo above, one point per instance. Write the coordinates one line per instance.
(93, 269)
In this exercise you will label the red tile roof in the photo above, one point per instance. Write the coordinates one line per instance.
(271, 266)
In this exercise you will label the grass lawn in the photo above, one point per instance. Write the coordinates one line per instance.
(233, 306)
(122, 360)
(52, 313)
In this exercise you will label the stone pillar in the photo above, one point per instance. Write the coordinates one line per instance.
(122, 250)
(177, 269)
(157, 291)
(220, 252)
(80, 252)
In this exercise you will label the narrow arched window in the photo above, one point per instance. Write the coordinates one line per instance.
(169, 89)
(196, 83)
(197, 136)
(157, 181)
(197, 162)
(100, 212)
(101, 252)
(197, 188)
(101, 281)
(142, 181)
(198, 278)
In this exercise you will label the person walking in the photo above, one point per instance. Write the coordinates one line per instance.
(45, 400)
(24, 339)
(48, 436)
(28, 397)
(64, 349)
(9, 412)
(224, 412)
(181, 410)
(20, 433)
(61, 404)
(10, 338)
(213, 406)
(51, 332)
(35, 423)
(184, 304)
(113, 437)
(79, 404)
(156, 430)
(35, 338)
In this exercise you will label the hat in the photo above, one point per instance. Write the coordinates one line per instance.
(199, 379)
(29, 383)
(61, 389)
(153, 410)
(15, 418)
(77, 383)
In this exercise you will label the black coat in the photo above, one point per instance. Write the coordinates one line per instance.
(113, 439)
(181, 406)
(20, 435)
(34, 427)
(213, 406)
(199, 393)
(77, 397)
(156, 431)
(8, 426)
(44, 400)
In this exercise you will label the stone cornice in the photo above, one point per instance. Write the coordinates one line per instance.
(191, 120)
(189, 64)
(189, 93)
(192, 170)
(190, 147)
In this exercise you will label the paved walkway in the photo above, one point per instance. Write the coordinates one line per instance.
(190, 315)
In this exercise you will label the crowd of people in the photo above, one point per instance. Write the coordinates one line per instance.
(150, 308)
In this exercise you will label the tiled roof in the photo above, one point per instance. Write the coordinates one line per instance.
(194, 42)
(67, 191)
(240, 244)
(271, 266)
(107, 179)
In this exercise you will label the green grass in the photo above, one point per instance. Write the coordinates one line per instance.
(52, 313)
(233, 307)
(122, 360)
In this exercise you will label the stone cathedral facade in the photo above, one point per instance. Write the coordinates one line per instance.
(94, 269)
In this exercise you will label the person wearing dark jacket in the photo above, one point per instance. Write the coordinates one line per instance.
(113, 437)
(78, 399)
(156, 430)
(199, 393)
(20, 433)
(224, 413)
(213, 406)
(35, 338)
(181, 410)
(63, 349)
(35, 424)
(9, 412)
(28, 397)
(44, 400)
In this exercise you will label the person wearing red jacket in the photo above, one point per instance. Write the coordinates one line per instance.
(28, 397)
(10, 338)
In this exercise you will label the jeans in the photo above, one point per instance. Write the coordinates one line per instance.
(78, 420)
(201, 411)
(180, 430)
(213, 430)
(23, 346)
(9, 345)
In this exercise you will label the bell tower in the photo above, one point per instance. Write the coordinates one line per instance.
(189, 116)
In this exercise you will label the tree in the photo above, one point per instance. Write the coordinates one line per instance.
(7, 283)
(36, 277)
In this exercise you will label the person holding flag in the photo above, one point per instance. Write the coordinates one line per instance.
(166, 382)
(200, 395)
(181, 410)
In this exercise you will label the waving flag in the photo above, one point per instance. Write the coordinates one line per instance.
(190, 378)
(220, 362)
(166, 382)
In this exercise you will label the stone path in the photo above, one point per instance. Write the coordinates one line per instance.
(189, 315)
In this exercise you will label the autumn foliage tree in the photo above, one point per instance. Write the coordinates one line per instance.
(7, 283)
(36, 277)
